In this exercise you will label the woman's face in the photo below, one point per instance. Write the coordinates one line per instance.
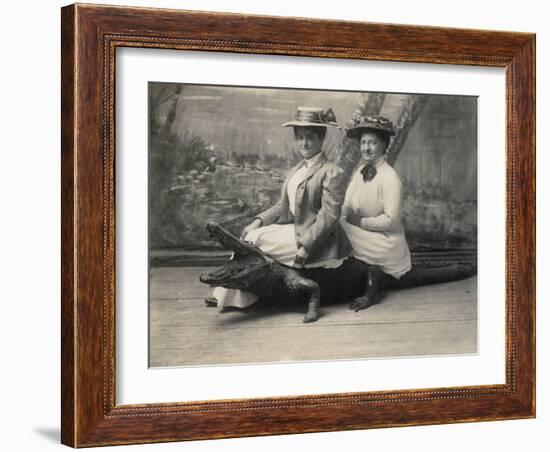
(372, 147)
(309, 143)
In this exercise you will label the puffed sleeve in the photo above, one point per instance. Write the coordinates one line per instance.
(331, 206)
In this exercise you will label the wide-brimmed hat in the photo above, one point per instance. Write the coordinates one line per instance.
(356, 127)
(313, 117)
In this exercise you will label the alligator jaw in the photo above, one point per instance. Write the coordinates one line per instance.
(228, 240)
(235, 276)
(216, 277)
(246, 266)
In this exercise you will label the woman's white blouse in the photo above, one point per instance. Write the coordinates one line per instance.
(297, 178)
(380, 239)
(378, 201)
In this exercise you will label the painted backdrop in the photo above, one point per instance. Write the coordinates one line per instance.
(220, 154)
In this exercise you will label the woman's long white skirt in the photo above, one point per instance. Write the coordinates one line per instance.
(278, 241)
(387, 250)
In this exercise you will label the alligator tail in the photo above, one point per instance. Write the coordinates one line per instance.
(425, 274)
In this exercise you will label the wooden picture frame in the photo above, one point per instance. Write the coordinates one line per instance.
(90, 36)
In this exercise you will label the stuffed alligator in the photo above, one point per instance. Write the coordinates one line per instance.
(249, 269)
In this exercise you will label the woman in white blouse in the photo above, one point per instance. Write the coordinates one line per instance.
(371, 215)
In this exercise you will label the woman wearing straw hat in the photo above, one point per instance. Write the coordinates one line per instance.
(302, 230)
(372, 208)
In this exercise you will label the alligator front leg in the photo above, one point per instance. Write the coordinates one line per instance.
(303, 287)
(313, 307)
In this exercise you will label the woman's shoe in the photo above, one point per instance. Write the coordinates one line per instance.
(211, 302)
(371, 295)
(362, 303)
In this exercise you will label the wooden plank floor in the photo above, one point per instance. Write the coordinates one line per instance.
(431, 320)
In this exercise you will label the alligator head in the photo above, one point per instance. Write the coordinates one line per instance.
(246, 267)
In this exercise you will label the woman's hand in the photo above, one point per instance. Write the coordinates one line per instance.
(256, 223)
(301, 257)
(354, 219)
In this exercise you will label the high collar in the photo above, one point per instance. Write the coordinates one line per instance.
(376, 164)
(308, 163)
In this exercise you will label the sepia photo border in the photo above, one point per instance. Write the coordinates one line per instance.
(90, 37)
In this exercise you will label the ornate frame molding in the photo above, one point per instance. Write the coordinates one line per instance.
(90, 37)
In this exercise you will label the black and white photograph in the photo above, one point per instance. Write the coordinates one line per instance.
(275, 226)
(289, 225)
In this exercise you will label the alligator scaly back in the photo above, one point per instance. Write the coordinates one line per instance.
(251, 270)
